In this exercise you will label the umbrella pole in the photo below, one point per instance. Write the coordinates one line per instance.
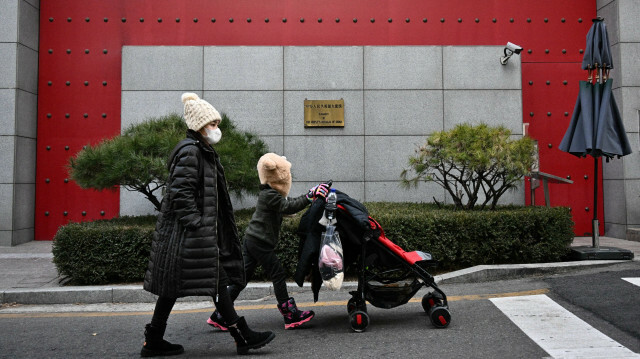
(595, 231)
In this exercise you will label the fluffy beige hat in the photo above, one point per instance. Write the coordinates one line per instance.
(197, 112)
(275, 171)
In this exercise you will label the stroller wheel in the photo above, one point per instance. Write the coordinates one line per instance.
(440, 317)
(430, 300)
(359, 321)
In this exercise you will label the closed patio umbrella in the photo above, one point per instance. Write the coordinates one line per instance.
(597, 51)
(596, 127)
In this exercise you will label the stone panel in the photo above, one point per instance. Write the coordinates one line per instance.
(246, 201)
(393, 192)
(7, 111)
(294, 113)
(138, 106)
(411, 112)
(8, 56)
(614, 169)
(386, 156)
(25, 167)
(628, 100)
(602, 3)
(9, 20)
(29, 25)
(413, 67)
(340, 158)
(462, 64)
(632, 188)
(615, 230)
(355, 190)
(610, 15)
(24, 203)
(26, 114)
(259, 112)
(323, 68)
(178, 68)
(22, 236)
(617, 71)
(614, 201)
(493, 107)
(7, 158)
(27, 70)
(243, 68)
(35, 3)
(275, 143)
(629, 13)
(6, 207)
(632, 161)
(515, 196)
(134, 203)
(629, 58)
(5, 241)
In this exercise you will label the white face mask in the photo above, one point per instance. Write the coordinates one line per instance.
(213, 136)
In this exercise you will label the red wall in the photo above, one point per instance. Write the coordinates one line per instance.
(80, 70)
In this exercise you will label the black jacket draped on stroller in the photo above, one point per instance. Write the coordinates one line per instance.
(387, 275)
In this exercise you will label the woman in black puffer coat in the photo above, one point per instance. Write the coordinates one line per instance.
(195, 249)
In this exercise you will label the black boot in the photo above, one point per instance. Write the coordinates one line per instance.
(246, 338)
(154, 345)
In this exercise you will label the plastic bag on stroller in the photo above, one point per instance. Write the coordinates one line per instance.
(330, 261)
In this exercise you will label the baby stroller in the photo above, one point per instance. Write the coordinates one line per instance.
(388, 276)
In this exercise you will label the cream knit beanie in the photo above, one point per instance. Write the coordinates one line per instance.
(197, 112)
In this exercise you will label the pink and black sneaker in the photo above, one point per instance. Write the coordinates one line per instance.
(216, 321)
(293, 317)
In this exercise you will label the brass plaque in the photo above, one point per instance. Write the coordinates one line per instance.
(323, 113)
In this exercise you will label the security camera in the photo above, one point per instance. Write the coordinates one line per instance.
(513, 48)
(509, 50)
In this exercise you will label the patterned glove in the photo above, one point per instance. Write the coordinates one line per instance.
(310, 195)
(321, 190)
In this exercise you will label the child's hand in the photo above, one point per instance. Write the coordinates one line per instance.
(311, 193)
(320, 190)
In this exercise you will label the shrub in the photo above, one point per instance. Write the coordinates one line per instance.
(137, 158)
(105, 251)
(117, 250)
(479, 162)
(460, 239)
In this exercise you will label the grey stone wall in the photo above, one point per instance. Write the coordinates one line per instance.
(19, 23)
(395, 96)
(621, 177)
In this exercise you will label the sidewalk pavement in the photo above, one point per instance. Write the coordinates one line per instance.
(30, 277)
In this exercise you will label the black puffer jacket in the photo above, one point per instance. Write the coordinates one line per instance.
(196, 234)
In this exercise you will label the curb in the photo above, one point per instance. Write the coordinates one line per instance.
(253, 291)
(486, 273)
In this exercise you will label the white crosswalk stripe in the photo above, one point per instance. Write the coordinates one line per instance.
(635, 281)
(558, 331)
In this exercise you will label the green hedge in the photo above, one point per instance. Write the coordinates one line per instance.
(105, 251)
(116, 251)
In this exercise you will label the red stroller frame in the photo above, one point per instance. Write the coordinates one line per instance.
(387, 295)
